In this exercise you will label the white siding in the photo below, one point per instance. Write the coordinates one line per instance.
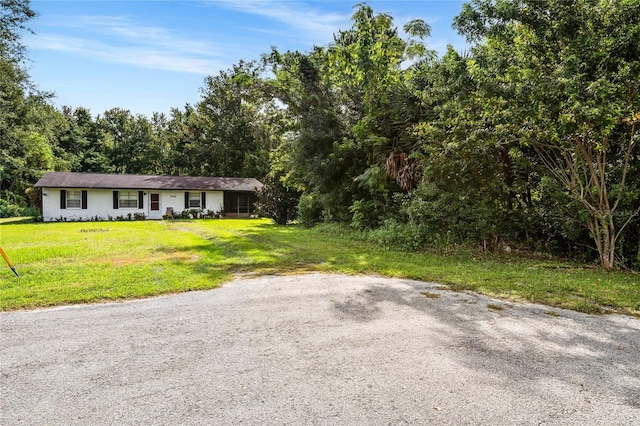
(215, 201)
(175, 199)
(100, 204)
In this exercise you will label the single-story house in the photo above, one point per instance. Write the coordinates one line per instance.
(86, 196)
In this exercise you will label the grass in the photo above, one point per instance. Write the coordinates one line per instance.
(63, 263)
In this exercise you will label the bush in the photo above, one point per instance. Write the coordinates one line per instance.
(276, 201)
(31, 212)
(14, 210)
(309, 210)
(393, 235)
(450, 217)
(365, 214)
(34, 196)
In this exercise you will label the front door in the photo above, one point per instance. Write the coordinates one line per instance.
(154, 206)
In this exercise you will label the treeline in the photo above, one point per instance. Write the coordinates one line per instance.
(529, 140)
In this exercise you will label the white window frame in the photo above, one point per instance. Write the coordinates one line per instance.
(125, 199)
(74, 199)
(195, 200)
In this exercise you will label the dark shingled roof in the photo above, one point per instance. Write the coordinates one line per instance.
(113, 181)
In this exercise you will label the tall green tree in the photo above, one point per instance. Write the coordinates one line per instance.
(182, 134)
(460, 188)
(25, 136)
(14, 84)
(571, 69)
(230, 124)
(365, 67)
(337, 98)
(13, 16)
(132, 142)
(309, 157)
(82, 142)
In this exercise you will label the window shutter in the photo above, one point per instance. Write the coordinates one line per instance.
(186, 200)
(203, 204)
(84, 200)
(115, 200)
(140, 200)
(63, 199)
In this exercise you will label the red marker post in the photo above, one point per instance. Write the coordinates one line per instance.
(9, 262)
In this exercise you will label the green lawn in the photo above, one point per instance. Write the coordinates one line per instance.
(62, 263)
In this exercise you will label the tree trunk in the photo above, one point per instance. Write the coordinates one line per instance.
(607, 257)
(604, 235)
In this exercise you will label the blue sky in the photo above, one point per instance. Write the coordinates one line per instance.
(150, 56)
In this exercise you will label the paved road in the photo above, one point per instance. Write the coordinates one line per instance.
(318, 349)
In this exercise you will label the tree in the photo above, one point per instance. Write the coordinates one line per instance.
(231, 120)
(277, 202)
(571, 71)
(14, 87)
(182, 135)
(28, 124)
(312, 156)
(365, 67)
(132, 143)
(337, 98)
(13, 16)
(81, 142)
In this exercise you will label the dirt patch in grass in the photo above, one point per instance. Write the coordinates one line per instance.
(182, 256)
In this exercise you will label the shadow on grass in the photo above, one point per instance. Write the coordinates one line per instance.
(263, 248)
(19, 221)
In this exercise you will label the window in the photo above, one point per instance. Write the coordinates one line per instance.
(155, 201)
(194, 200)
(74, 199)
(128, 199)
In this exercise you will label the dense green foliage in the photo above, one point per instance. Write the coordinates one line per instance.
(528, 141)
(276, 201)
(564, 78)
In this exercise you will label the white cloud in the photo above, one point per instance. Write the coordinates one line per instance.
(117, 39)
(120, 39)
(142, 56)
(308, 23)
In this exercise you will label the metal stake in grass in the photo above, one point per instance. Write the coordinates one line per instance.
(9, 262)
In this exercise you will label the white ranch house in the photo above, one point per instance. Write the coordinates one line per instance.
(86, 196)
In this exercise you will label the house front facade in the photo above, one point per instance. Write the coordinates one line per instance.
(96, 196)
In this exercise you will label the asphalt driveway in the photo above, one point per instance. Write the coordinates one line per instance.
(318, 349)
